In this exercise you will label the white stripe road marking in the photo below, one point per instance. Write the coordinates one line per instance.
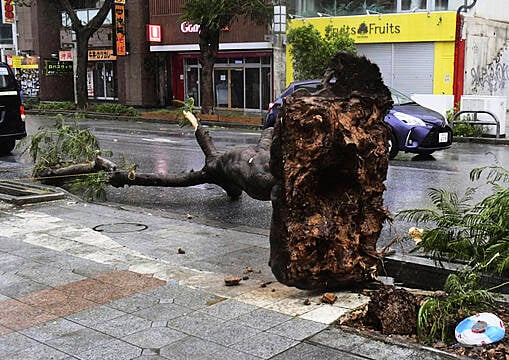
(162, 140)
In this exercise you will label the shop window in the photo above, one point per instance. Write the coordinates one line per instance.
(238, 83)
(253, 88)
(252, 60)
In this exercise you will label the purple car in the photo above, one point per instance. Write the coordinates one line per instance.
(415, 129)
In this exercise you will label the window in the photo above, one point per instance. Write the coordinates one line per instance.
(313, 8)
(413, 5)
(85, 16)
(6, 34)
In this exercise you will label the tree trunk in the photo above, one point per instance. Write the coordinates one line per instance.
(209, 47)
(81, 69)
(240, 169)
(329, 159)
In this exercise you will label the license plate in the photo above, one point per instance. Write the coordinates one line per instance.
(443, 137)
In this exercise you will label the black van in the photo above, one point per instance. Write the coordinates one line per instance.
(12, 112)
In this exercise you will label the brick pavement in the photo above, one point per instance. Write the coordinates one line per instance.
(69, 292)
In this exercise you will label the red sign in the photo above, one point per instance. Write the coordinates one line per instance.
(154, 33)
(8, 12)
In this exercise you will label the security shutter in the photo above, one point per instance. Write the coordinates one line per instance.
(407, 67)
(381, 54)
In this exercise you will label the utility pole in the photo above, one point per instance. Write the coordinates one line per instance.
(279, 48)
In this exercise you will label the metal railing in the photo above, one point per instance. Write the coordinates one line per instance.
(476, 121)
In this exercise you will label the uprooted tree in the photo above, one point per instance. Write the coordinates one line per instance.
(322, 166)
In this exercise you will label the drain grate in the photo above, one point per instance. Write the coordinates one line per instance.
(22, 193)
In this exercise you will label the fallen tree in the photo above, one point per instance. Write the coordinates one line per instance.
(323, 167)
(240, 169)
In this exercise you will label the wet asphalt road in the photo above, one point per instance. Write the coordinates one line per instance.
(168, 148)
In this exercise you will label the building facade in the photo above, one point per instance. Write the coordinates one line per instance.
(115, 73)
(243, 71)
(451, 47)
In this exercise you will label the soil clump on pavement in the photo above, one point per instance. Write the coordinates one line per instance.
(391, 315)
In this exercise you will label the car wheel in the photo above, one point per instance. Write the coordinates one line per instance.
(7, 146)
(393, 146)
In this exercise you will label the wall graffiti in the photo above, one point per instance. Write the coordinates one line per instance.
(491, 79)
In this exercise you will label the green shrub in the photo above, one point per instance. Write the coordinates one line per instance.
(462, 297)
(56, 105)
(113, 108)
(464, 129)
(475, 233)
(106, 108)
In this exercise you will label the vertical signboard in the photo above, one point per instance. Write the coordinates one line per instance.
(8, 12)
(120, 29)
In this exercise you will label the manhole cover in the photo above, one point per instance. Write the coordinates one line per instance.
(22, 193)
(121, 227)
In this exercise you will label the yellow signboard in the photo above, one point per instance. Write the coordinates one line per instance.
(389, 28)
(22, 62)
(101, 55)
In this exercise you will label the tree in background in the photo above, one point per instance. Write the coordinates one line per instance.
(212, 16)
(83, 33)
(311, 52)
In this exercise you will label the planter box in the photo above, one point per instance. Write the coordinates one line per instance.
(210, 119)
(423, 273)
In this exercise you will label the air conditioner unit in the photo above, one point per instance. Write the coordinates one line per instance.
(494, 104)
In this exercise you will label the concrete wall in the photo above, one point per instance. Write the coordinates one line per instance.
(486, 57)
(491, 9)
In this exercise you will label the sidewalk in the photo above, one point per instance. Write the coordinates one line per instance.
(126, 291)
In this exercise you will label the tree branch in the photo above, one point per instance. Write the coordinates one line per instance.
(123, 178)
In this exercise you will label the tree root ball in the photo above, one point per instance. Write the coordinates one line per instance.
(393, 311)
(329, 160)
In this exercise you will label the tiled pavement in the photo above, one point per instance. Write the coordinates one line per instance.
(125, 292)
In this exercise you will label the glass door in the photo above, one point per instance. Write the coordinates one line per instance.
(109, 83)
(229, 88)
(221, 93)
(104, 81)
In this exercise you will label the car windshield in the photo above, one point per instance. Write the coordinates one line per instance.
(400, 98)
(311, 87)
(6, 80)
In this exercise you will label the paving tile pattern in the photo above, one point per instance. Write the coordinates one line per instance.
(69, 292)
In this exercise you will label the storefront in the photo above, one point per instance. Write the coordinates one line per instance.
(241, 81)
(101, 75)
(242, 75)
(415, 51)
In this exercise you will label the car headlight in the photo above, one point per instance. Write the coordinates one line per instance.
(409, 119)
